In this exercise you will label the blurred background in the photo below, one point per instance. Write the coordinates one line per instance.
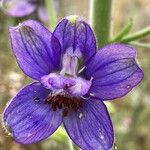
(130, 115)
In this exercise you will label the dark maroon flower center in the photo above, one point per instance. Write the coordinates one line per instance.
(64, 102)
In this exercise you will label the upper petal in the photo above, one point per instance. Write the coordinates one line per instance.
(19, 8)
(77, 36)
(90, 127)
(28, 118)
(114, 71)
(37, 51)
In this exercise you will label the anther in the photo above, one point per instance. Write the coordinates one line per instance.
(66, 87)
(60, 104)
(49, 99)
(63, 102)
(77, 103)
(54, 106)
(65, 112)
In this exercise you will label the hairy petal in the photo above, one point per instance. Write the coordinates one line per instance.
(54, 81)
(74, 86)
(76, 35)
(114, 71)
(80, 87)
(90, 127)
(37, 51)
(19, 8)
(28, 118)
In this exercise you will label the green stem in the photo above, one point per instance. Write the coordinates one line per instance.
(52, 14)
(135, 36)
(70, 144)
(139, 44)
(127, 28)
(100, 17)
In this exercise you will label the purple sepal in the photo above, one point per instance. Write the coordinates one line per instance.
(114, 72)
(19, 8)
(28, 118)
(75, 34)
(90, 127)
(37, 51)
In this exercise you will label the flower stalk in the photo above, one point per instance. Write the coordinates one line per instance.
(52, 14)
(100, 18)
(70, 144)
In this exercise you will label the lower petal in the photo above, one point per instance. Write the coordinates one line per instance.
(28, 118)
(90, 127)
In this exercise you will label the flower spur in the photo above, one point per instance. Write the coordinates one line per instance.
(73, 81)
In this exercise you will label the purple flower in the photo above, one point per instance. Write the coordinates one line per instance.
(22, 8)
(73, 81)
(19, 8)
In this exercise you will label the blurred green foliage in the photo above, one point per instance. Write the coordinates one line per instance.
(130, 114)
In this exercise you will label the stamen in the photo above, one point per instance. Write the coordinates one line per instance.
(63, 102)
(81, 70)
(66, 87)
(49, 99)
(54, 106)
(65, 112)
(86, 96)
(60, 104)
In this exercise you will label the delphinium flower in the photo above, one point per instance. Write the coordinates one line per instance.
(73, 79)
(22, 8)
(18, 8)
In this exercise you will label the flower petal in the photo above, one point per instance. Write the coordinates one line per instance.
(80, 86)
(90, 127)
(19, 8)
(114, 72)
(37, 51)
(75, 34)
(28, 118)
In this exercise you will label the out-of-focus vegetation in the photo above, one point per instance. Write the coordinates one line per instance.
(130, 114)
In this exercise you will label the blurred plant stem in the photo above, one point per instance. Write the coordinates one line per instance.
(126, 29)
(100, 18)
(137, 35)
(139, 44)
(71, 145)
(52, 14)
(37, 146)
